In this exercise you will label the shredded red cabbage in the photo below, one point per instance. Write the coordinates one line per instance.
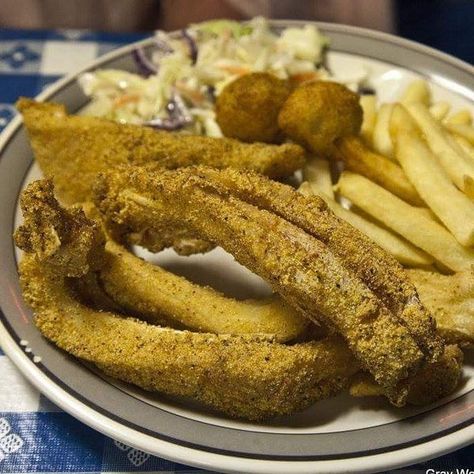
(145, 67)
(178, 116)
(193, 50)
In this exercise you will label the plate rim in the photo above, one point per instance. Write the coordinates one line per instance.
(107, 426)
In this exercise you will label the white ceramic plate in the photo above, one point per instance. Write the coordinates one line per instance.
(340, 434)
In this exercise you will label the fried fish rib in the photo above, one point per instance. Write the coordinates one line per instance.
(152, 292)
(124, 281)
(73, 149)
(298, 266)
(375, 267)
(242, 377)
(321, 368)
(434, 380)
(451, 299)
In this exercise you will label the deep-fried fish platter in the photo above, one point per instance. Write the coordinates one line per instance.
(342, 314)
(76, 308)
(272, 230)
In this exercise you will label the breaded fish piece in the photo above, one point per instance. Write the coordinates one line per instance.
(73, 149)
(112, 278)
(434, 380)
(62, 238)
(224, 372)
(375, 267)
(451, 299)
(299, 267)
(240, 376)
(153, 293)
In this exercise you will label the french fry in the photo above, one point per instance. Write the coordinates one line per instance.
(465, 131)
(452, 206)
(369, 107)
(462, 117)
(427, 212)
(358, 158)
(452, 158)
(440, 110)
(417, 91)
(406, 253)
(381, 139)
(464, 144)
(469, 187)
(449, 299)
(396, 214)
(318, 174)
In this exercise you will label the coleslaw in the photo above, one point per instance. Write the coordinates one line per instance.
(177, 82)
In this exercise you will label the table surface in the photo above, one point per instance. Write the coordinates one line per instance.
(35, 435)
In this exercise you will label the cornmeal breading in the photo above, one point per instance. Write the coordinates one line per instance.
(249, 376)
(73, 149)
(433, 381)
(153, 292)
(300, 268)
(242, 376)
(375, 267)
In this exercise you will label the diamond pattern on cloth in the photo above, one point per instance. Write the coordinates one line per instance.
(10, 443)
(5, 427)
(20, 56)
(137, 457)
(121, 446)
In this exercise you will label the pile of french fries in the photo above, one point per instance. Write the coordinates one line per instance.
(408, 180)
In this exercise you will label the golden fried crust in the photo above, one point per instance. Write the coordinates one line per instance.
(434, 380)
(298, 266)
(375, 267)
(247, 108)
(240, 376)
(451, 300)
(159, 296)
(124, 281)
(65, 240)
(318, 112)
(73, 149)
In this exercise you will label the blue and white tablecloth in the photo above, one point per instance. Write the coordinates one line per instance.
(35, 435)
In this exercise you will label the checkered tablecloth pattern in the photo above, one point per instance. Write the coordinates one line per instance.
(35, 435)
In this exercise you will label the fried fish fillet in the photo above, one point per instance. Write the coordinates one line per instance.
(433, 381)
(299, 267)
(73, 149)
(242, 376)
(154, 293)
(451, 299)
(375, 267)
